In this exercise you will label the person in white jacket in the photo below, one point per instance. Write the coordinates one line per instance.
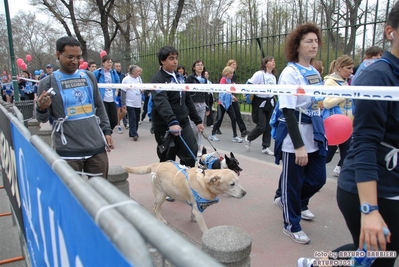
(131, 99)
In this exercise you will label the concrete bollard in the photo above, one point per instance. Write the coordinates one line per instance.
(33, 126)
(229, 245)
(118, 177)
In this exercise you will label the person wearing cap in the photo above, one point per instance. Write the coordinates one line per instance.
(49, 71)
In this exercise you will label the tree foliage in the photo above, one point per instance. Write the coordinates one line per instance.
(214, 31)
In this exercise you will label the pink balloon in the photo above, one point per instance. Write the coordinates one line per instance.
(4, 72)
(24, 66)
(28, 58)
(338, 129)
(103, 53)
(20, 61)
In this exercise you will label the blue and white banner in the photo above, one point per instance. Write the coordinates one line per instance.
(8, 170)
(59, 232)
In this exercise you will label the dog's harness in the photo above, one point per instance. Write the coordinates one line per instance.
(201, 202)
(208, 160)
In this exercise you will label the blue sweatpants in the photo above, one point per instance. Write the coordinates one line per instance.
(298, 185)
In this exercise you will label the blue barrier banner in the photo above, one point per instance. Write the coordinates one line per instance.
(9, 174)
(59, 232)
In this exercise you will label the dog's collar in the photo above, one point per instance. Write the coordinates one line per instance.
(201, 202)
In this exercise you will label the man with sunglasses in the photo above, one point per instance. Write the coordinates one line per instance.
(81, 129)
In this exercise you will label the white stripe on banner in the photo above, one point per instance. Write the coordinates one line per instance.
(355, 92)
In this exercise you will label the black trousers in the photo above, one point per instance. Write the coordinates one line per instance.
(237, 114)
(219, 120)
(186, 151)
(349, 205)
(240, 121)
(110, 107)
(262, 127)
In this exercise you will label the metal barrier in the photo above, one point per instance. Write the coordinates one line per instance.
(128, 226)
(26, 107)
(172, 246)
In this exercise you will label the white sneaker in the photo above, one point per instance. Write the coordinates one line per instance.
(119, 129)
(199, 154)
(236, 139)
(277, 202)
(307, 215)
(247, 143)
(267, 151)
(299, 237)
(337, 171)
(305, 262)
(214, 138)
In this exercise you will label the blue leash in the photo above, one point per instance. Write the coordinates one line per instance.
(188, 148)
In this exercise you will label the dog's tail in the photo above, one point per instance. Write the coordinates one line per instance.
(139, 170)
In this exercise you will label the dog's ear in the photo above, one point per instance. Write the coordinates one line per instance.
(213, 179)
(226, 157)
(204, 150)
(232, 155)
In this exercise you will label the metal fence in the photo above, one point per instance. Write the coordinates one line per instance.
(347, 29)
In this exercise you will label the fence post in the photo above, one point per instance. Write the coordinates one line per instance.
(118, 177)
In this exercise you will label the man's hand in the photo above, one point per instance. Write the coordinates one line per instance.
(109, 142)
(44, 101)
(301, 156)
(200, 127)
(175, 130)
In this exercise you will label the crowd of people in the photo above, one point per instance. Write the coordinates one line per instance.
(27, 89)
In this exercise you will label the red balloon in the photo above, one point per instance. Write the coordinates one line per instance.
(103, 53)
(81, 67)
(85, 65)
(24, 66)
(28, 58)
(19, 62)
(81, 60)
(338, 129)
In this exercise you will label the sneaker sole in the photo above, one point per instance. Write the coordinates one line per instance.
(290, 235)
